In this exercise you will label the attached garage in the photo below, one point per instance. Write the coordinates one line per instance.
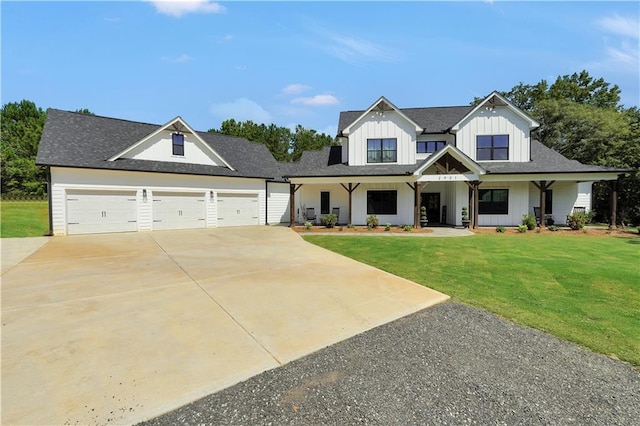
(178, 210)
(92, 212)
(237, 209)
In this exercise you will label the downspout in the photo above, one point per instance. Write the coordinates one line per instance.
(266, 202)
(50, 234)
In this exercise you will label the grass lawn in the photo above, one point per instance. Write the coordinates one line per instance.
(24, 219)
(584, 289)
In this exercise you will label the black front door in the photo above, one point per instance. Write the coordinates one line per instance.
(432, 201)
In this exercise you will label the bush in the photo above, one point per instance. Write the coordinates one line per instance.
(408, 228)
(529, 221)
(373, 221)
(330, 220)
(522, 228)
(500, 229)
(553, 228)
(350, 226)
(387, 227)
(308, 225)
(577, 220)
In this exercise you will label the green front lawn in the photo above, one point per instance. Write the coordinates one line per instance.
(584, 289)
(24, 219)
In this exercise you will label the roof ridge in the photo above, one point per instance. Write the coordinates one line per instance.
(102, 116)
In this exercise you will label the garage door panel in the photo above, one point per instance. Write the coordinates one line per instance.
(177, 210)
(91, 212)
(237, 210)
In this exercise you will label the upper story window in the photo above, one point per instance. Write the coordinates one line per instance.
(177, 140)
(382, 150)
(492, 147)
(427, 147)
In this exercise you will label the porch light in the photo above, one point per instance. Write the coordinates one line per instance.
(144, 195)
(211, 195)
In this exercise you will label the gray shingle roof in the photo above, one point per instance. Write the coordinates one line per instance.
(78, 140)
(432, 119)
(327, 163)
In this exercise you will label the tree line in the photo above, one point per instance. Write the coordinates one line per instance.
(580, 116)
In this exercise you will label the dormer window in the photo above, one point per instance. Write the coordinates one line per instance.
(492, 147)
(428, 147)
(178, 144)
(382, 150)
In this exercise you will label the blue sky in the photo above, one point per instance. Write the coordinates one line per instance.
(302, 62)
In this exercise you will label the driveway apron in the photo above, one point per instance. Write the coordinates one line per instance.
(119, 328)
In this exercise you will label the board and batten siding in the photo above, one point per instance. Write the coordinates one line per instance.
(391, 126)
(160, 148)
(64, 179)
(500, 121)
(405, 200)
(308, 196)
(518, 204)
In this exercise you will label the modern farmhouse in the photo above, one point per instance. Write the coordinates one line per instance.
(113, 175)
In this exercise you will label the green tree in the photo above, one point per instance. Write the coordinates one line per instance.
(22, 124)
(308, 140)
(84, 111)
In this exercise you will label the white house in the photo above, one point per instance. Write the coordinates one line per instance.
(391, 161)
(113, 175)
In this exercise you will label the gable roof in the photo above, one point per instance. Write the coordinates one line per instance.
(493, 100)
(454, 152)
(379, 106)
(430, 119)
(72, 139)
(177, 124)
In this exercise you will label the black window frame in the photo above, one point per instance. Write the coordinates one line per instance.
(429, 146)
(325, 202)
(492, 145)
(177, 144)
(376, 154)
(493, 205)
(382, 202)
(548, 201)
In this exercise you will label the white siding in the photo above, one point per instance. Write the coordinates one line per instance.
(518, 204)
(308, 196)
(391, 126)
(584, 195)
(277, 203)
(405, 204)
(502, 121)
(565, 197)
(160, 148)
(63, 179)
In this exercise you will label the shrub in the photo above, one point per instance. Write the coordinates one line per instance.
(529, 221)
(330, 220)
(553, 228)
(522, 228)
(308, 225)
(408, 228)
(373, 221)
(500, 229)
(577, 220)
(387, 227)
(350, 225)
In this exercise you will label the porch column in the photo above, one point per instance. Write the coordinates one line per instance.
(416, 207)
(543, 186)
(614, 205)
(292, 203)
(350, 190)
(476, 203)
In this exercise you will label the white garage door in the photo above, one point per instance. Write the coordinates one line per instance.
(178, 210)
(237, 209)
(90, 212)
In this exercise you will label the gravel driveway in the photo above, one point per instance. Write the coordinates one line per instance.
(448, 364)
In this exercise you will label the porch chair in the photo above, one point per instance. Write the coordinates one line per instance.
(310, 215)
(579, 209)
(536, 213)
(336, 211)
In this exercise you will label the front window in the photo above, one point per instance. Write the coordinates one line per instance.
(324, 202)
(382, 202)
(427, 147)
(492, 147)
(178, 143)
(493, 201)
(382, 150)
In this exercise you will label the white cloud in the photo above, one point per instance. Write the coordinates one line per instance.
(317, 100)
(177, 8)
(177, 60)
(241, 109)
(620, 25)
(295, 89)
(225, 39)
(352, 49)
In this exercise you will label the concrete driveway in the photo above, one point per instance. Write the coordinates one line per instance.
(121, 328)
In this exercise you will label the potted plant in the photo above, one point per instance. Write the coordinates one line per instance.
(423, 217)
(465, 217)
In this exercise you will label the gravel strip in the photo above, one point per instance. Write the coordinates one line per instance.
(450, 364)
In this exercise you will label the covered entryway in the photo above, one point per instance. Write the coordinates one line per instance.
(237, 209)
(94, 212)
(431, 200)
(178, 210)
